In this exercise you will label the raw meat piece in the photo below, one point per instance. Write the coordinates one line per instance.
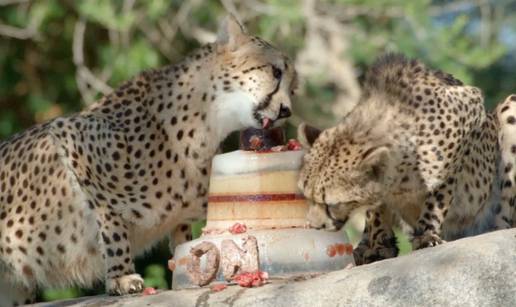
(238, 228)
(293, 145)
(255, 143)
(254, 279)
(149, 291)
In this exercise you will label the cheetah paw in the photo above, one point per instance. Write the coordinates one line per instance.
(126, 284)
(366, 255)
(426, 240)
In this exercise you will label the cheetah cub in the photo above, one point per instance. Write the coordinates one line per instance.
(420, 148)
(80, 196)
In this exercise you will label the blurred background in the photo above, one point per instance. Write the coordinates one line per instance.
(58, 56)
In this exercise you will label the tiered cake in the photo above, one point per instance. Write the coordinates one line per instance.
(256, 188)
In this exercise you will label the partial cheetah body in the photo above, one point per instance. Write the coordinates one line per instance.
(420, 146)
(81, 195)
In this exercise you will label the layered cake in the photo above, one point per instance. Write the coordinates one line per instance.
(256, 223)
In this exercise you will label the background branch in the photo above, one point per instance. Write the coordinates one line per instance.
(89, 85)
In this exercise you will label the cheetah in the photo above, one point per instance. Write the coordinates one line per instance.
(419, 149)
(80, 196)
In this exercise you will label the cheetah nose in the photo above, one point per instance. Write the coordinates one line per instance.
(284, 112)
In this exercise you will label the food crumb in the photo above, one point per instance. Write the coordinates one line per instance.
(218, 287)
(238, 228)
(149, 291)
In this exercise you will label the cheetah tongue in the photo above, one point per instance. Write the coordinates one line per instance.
(266, 123)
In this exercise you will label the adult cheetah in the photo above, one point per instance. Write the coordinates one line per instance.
(81, 195)
(420, 148)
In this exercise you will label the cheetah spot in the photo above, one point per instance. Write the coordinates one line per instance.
(27, 271)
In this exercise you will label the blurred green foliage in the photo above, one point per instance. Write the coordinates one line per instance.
(61, 294)
(155, 276)
(40, 79)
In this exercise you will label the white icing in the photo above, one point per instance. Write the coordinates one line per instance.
(243, 162)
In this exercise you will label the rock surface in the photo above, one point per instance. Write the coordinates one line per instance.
(477, 271)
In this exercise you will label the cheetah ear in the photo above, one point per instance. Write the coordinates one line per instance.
(231, 33)
(307, 135)
(374, 161)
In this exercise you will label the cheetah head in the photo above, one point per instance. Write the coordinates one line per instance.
(259, 80)
(341, 172)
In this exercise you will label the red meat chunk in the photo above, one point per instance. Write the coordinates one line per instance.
(293, 145)
(254, 279)
(149, 291)
(238, 228)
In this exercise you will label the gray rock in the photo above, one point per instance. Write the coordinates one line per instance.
(476, 271)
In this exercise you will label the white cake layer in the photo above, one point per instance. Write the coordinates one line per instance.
(258, 211)
(265, 182)
(242, 162)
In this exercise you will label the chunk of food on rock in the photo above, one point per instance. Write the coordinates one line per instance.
(238, 228)
(252, 279)
(149, 291)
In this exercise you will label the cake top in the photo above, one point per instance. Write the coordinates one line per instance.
(243, 162)
(261, 150)
(261, 139)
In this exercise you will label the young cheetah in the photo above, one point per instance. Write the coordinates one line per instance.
(418, 147)
(80, 196)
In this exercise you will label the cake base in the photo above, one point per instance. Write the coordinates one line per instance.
(283, 253)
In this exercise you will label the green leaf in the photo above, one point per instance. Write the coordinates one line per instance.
(104, 13)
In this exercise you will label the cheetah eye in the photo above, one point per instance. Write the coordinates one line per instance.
(276, 72)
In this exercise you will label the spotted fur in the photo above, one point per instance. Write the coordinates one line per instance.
(419, 147)
(80, 196)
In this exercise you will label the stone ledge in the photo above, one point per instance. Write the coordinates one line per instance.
(476, 271)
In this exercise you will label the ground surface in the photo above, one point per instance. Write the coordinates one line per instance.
(477, 271)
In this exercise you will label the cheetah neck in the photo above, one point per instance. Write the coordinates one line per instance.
(194, 93)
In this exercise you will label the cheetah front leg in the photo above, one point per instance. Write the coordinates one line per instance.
(15, 295)
(505, 212)
(378, 241)
(427, 232)
(116, 250)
